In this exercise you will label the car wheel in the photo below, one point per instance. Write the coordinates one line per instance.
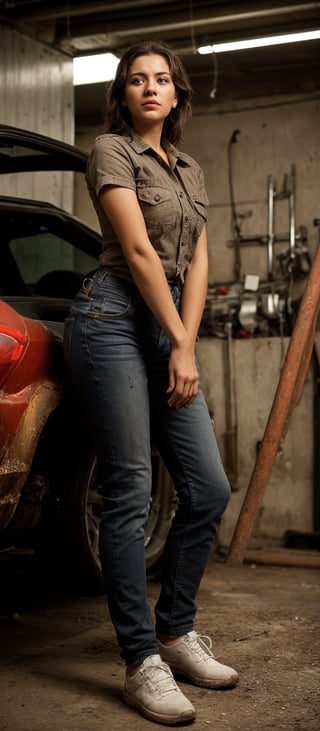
(80, 509)
(162, 508)
(80, 504)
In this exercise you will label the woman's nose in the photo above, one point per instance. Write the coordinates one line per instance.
(150, 88)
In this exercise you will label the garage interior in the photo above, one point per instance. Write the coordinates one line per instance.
(259, 149)
(255, 132)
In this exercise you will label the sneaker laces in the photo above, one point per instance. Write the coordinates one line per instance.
(201, 644)
(161, 677)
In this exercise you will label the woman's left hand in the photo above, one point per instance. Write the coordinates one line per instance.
(183, 377)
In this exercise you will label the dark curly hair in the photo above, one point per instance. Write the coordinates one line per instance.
(117, 117)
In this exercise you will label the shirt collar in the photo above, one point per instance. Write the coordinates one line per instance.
(139, 145)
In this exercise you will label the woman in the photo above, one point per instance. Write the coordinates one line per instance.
(130, 348)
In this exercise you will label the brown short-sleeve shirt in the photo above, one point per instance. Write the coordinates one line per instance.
(173, 199)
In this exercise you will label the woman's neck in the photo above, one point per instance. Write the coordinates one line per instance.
(153, 138)
(151, 135)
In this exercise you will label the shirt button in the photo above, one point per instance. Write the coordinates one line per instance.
(183, 243)
(157, 197)
(186, 218)
(181, 194)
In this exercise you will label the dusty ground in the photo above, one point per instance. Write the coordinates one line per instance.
(60, 669)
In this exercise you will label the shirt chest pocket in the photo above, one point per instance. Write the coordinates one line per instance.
(157, 205)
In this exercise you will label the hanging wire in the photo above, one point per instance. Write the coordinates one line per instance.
(215, 76)
(194, 49)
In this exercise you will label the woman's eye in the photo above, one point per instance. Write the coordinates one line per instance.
(137, 81)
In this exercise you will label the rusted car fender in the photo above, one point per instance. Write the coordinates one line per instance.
(17, 458)
(32, 387)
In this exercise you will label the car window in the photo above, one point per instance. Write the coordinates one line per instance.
(22, 150)
(16, 150)
(43, 252)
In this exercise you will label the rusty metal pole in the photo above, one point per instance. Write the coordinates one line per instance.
(288, 393)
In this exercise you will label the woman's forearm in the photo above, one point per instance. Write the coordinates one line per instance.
(148, 274)
(195, 289)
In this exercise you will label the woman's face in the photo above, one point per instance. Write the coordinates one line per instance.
(149, 92)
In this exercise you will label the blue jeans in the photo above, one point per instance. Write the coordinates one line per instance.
(117, 356)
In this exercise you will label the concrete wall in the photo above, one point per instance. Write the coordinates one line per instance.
(288, 498)
(36, 92)
(274, 134)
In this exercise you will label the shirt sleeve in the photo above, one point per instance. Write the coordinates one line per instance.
(109, 164)
(202, 193)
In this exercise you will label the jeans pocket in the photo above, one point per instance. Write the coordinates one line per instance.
(111, 299)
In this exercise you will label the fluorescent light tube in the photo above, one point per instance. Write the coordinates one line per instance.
(260, 42)
(92, 69)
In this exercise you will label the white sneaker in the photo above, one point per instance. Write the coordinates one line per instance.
(192, 658)
(154, 692)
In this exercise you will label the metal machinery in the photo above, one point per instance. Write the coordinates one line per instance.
(254, 307)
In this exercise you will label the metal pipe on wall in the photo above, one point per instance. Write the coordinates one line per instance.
(271, 193)
(292, 196)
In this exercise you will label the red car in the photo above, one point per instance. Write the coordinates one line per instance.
(50, 496)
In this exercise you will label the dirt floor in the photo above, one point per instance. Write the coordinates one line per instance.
(60, 668)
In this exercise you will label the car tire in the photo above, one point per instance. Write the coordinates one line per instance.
(80, 510)
(162, 509)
